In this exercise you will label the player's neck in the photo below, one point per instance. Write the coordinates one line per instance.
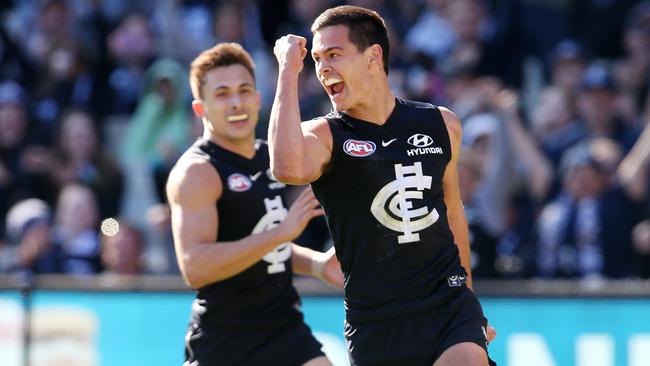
(244, 146)
(375, 108)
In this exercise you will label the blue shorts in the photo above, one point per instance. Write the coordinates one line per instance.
(417, 338)
(290, 345)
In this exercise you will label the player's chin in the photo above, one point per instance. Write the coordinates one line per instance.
(338, 104)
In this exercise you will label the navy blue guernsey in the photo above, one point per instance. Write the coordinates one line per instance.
(383, 200)
(252, 201)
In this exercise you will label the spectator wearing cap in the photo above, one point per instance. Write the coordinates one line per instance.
(30, 248)
(585, 231)
(597, 108)
(568, 61)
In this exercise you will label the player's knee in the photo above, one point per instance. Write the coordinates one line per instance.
(318, 361)
(466, 353)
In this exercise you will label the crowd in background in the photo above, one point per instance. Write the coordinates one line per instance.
(553, 96)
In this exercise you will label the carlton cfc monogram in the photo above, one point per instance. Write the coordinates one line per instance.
(275, 213)
(399, 201)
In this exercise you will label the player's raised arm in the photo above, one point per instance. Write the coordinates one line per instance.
(193, 190)
(455, 211)
(298, 153)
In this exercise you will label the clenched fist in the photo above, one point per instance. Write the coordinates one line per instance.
(290, 50)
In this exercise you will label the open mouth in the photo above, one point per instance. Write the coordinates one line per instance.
(237, 117)
(334, 86)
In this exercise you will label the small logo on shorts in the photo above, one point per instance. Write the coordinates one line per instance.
(456, 280)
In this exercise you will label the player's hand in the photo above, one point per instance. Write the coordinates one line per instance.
(303, 209)
(290, 50)
(491, 333)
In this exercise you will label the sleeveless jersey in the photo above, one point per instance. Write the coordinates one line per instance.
(383, 200)
(252, 201)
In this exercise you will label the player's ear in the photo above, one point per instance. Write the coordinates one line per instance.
(374, 54)
(197, 107)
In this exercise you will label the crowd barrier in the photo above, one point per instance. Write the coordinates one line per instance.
(125, 321)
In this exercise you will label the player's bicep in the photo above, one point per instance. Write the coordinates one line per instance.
(193, 224)
(450, 181)
(451, 189)
(193, 191)
(317, 137)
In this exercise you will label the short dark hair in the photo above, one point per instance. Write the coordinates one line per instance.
(223, 54)
(365, 26)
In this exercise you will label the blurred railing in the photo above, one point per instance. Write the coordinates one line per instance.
(593, 288)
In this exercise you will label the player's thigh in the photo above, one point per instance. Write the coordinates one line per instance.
(465, 353)
(318, 361)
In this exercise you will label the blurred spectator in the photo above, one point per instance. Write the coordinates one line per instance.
(54, 23)
(469, 22)
(184, 27)
(14, 63)
(508, 189)
(22, 164)
(75, 230)
(159, 129)
(585, 231)
(598, 111)
(554, 124)
(568, 61)
(483, 243)
(237, 21)
(432, 34)
(30, 249)
(131, 47)
(89, 78)
(78, 157)
(598, 24)
(160, 256)
(121, 251)
(67, 80)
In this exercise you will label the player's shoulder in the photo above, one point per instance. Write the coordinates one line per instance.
(318, 124)
(193, 175)
(452, 121)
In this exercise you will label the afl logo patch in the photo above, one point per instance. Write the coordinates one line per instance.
(359, 148)
(239, 182)
(420, 140)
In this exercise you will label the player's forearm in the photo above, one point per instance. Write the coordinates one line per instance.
(207, 263)
(286, 143)
(308, 261)
(301, 259)
(458, 226)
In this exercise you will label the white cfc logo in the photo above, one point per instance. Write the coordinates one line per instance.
(275, 213)
(398, 199)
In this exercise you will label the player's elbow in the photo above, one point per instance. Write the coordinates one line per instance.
(193, 275)
(194, 280)
(289, 175)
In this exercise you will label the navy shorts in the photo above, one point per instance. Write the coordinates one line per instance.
(291, 345)
(417, 338)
